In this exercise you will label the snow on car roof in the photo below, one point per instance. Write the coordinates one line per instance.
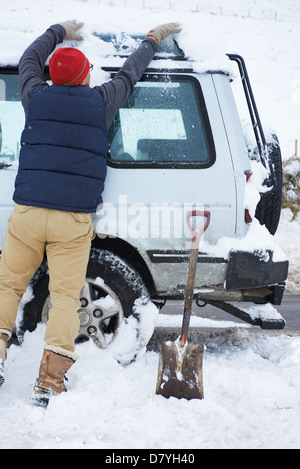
(125, 44)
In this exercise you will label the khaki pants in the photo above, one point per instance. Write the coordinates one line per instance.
(66, 238)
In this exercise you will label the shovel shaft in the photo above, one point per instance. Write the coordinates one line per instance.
(189, 294)
(180, 368)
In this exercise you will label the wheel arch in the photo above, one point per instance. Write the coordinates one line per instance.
(128, 253)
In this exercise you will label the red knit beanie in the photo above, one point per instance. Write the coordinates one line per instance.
(68, 66)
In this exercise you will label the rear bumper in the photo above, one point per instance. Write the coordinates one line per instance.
(248, 270)
(260, 280)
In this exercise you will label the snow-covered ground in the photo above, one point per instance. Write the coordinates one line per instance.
(252, 385)
(251, 400)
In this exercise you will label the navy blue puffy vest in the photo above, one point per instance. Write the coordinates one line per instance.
(62, 162)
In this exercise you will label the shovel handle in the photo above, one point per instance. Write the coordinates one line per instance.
(189, 294)
(198, 233)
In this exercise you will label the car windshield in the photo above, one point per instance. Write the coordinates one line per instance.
(12, 118)
(164, 122)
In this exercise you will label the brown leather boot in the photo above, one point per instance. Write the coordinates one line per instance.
(3, 354)
(51, 377)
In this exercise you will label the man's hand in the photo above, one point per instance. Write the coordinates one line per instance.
(71, 27)
(164, 30)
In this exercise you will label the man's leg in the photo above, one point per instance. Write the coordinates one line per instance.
(68, 249)
(3, 341)
(22, 254)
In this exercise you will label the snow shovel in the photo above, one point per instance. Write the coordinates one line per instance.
(180, 363)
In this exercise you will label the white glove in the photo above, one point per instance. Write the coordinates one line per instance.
(164, 30)
(71, 27)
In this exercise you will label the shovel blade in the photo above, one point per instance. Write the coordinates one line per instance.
(180, 371)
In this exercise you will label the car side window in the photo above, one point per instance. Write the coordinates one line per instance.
(12, 118)
(164, 123)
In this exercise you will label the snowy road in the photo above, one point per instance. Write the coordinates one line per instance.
(289, 309)
(212, 324)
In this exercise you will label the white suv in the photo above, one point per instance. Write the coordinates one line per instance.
(176, 145)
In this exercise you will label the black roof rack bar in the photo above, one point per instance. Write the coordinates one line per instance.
(255, 119)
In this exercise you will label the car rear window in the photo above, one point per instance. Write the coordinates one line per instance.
(163, 123)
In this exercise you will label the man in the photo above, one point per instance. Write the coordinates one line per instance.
(62, 169)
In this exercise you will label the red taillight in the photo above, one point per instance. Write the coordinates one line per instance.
(248, 175)
(248, 218)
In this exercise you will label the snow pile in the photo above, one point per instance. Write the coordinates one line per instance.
(175, 320)
(134, 333)
(255, 186)
(251, 400)
(257, 239)
(263, 312)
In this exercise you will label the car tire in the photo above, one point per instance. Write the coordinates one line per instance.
(269, 207)
(112, 306)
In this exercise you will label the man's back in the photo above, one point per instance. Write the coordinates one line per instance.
(62, 161)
